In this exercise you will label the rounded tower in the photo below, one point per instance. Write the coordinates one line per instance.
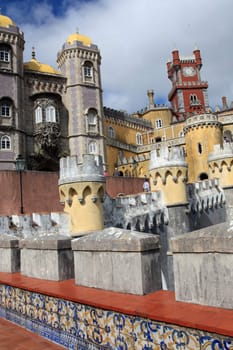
(12, 135)
(168, 174)
(79, 60)
(202, 132)
(82, 189)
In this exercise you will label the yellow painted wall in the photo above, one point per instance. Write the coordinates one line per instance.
(222, 170)
(207, 136)
(171, 182)
(83, 203)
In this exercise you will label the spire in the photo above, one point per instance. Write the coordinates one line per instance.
(33, 53)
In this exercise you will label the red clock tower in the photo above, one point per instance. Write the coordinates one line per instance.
(188, 94)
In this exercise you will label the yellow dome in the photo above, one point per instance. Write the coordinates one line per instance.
(78, 37)
(39, 67)
(6, 21)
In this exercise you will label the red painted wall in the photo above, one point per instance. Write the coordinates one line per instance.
(40, 191)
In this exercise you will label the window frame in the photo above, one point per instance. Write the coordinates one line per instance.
(50, 114)
(158, 123)
(111, 132)
(139, 139)
(92, 147)
(5, 143)
(5, 54)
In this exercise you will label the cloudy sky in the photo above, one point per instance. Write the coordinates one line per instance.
(136, 38)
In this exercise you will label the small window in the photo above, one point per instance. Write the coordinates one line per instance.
(5, 142)
(50, 114)
(199, 146)
(38, 115)
(92, 148)
(92, 125)
(6, 108)
(158, 124)
(111, 132)
(88, 71)
(4, 54)
(193, 99)
(139, 139)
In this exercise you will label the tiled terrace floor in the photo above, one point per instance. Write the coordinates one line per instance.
(13, 337)
(160, 306)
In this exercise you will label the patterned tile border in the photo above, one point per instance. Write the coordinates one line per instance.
(82, 327)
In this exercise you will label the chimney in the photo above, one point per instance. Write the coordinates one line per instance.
(150, 94)
(224, 103)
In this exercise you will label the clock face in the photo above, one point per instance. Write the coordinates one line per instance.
(188, 71)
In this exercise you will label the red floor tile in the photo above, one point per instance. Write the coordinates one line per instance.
(17, 338)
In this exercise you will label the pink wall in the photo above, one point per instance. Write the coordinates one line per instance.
(40, 191)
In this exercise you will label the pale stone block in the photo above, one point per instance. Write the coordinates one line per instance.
(203, 263)
(9, 254)
(118, 260)
(49, 258)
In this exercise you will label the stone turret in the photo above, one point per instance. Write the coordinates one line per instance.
(168, 174)
(82, 189)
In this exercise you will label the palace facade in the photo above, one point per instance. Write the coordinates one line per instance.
(48, 113)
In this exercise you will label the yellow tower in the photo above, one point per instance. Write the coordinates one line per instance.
(82, 189)
(168, 174)
(202, 132)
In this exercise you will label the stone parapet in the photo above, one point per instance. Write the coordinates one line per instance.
(10, 254)
(47, 257)
(221, 152)
(202, 266)
(81, 169)
(201, 119)
(118, 260)
(167, 158)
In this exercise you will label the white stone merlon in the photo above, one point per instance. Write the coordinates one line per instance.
(89, 167)
(204, 195)
(167, 158)
(221, 152)
(118, 260)
(203, 262)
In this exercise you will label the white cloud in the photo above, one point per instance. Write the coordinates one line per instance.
(136, 38)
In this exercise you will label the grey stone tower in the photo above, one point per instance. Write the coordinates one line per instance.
(79, 60)
(12, 136)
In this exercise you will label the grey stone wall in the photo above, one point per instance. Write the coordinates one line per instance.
(202, 266)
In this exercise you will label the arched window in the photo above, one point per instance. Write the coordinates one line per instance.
(88, 71)
(92, 125)
(193, 99)
(111, 132)
(50, 114)
(38, 114)
(158, 123)
(5, 142)
(92, 147)
(6, 108)
(5, 53)
(139, 139)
